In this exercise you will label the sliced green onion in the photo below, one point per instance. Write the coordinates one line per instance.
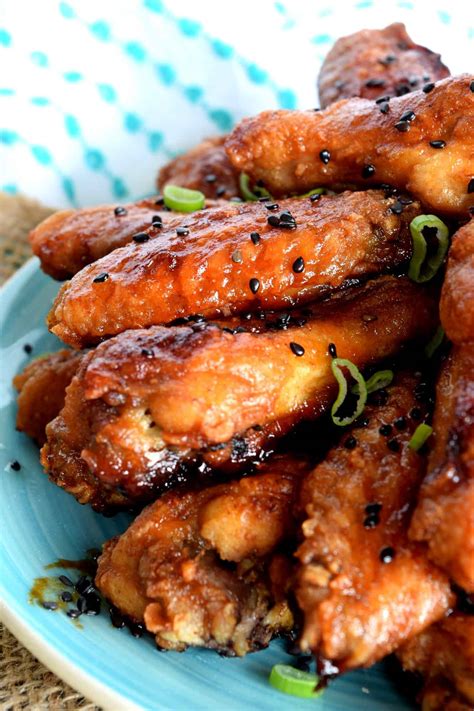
(419, 437)
(183, 199)
(433, 345)
(421, 268)
(377, 381)
(247, 193)
(293, 681)
(336, 365)
(314, 191)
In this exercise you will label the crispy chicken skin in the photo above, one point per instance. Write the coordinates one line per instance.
(294, 151)
(376, 63)
(203, 568)
(457, 295)
(206, 168)
(356, 607)
(41, 391)
(212, 271)
(147, 405)
(444, 655)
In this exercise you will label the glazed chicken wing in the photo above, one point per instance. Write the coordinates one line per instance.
(42, 389)
(377, 63)
(363, 586)
(444, 655)
(206, 168)
(150, 407)
(233, 260)
(204, 569)
(423, 143)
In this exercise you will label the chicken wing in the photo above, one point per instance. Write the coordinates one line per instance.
(207, 568)
(422, 144)
(41, 391)
(151, 408)
(363, 586)
(457, 295)
(377, 63)
(444, 655)
(206, 168)
(235, 258)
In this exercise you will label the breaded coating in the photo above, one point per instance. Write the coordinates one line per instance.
(363, 587)
(205, 568)
(151, 408)
(377, 63)
(206, 168)
(233, 260)
(444, 655)
(457, 295)
(353, 141)
(42, 389)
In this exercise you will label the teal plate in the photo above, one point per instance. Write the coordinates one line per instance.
(40, 523)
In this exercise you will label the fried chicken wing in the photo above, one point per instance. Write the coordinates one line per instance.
(457, 295)
(206, 168)
(42, 389)
(363, 586)
(203, 568)
(234, 260)
(377, 63)
(444, 655)
(147, 404)
(354, 141)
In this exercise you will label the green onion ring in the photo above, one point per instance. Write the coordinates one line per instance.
(419, 437)
(435, 342)
(314, 191)
(379, 380)
(336, 365)
(294, 681)
(183, 199)
(246, 192)
(420, 268)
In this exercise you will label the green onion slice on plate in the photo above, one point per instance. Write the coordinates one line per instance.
(379, 380)
(433, 345)
(251, 195)
(427, 258)
(314, 191)
(419, 437)
(336, 365)
(294, 681)
(183, 199)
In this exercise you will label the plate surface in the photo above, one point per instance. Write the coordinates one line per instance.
(40, 524)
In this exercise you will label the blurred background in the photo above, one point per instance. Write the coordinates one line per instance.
(96, 95)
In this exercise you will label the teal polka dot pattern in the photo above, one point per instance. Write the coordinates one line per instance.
(108, 92)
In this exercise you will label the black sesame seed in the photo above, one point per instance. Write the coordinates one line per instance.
(73, 613)
(332, 350)
(141, 237)
(287, 220)
(116, 618)
(220, 191)
(271, 206)
(182, 231)
(274, 221)
(396, 208)
(136, 630)
(393, 445)
(297, 349)
(92, 601)
(48, 605)
(15, 465)
(415, 414)
(157, 219)
(315, 197)
(372, 83)
(384, 108)
(325, 156)
(408, 116)
(120, 211)
(385, 430)
(298, 265)
(389, 59)
(254, 285)
(66, 596)
(405, 200)
(83, 585)
(368, 171)
(160, 200)
(437, 144)
(28, 348)
(237, 256)
(350, 443)
(400, 423)
(402, 89)
(371, 520)
(470, 186)
(226, 329)
(81, 604)
(210, 178)
(373, 508)
(102, 277)
(387, 554)
(471, 86)
(428, 87)
(382, 99)
(255, 237)
(66, 581)
(147, 352)
(402, 126)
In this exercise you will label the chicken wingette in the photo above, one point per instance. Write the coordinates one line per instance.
(423, 144)
(234, 258)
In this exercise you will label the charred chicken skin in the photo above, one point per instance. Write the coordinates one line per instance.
(148, 403)
(204, 568)
(363, 587)
(423, 142)
(235, 258)
(377, 63)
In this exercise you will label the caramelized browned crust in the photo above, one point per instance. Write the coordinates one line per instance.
(283, 148)
(41, 391)
(147, 404)
(377, 63)
(205, 167)
(356, 607)
(202, 568)
(212, 270)
(444, 517)
(444, 655)
(457, 296)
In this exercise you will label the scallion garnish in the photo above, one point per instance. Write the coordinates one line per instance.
(293, 681)
(422, 267)
(379, 380)
(336, 365)
(183, 199)
(419, 437)
(433, 345)
(314, 191)
(249, 195)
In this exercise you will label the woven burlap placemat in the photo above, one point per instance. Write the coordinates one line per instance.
(25, 683)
